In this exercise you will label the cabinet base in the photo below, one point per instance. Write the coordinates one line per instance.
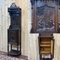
(14, 53)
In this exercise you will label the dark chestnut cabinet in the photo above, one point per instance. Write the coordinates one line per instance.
(14, 31)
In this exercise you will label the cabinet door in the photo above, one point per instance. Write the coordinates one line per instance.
(44, 16)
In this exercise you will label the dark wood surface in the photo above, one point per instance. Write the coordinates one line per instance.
(40, 19)
(14, 31)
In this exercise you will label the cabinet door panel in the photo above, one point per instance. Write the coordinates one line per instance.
(44, 16)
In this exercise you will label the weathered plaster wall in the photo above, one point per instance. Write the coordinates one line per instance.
(4, 23)
(57, 47)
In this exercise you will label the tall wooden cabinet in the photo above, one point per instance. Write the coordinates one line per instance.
(14, 31)
(45, 23)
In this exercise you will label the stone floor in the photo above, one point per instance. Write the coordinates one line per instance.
(3, 56)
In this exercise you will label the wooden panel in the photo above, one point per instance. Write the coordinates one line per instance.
(4, 24)
(46, 45)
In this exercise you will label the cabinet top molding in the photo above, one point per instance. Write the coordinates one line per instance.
(34, 1)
